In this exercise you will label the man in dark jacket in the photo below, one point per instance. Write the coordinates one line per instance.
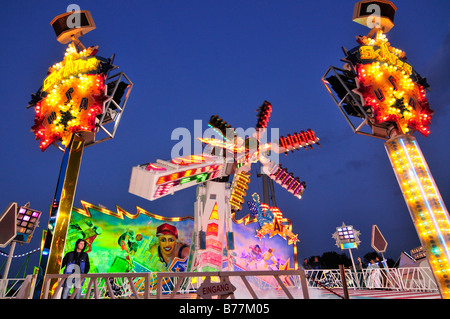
(75, 262)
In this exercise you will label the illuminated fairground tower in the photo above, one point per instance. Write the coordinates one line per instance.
(381, 95)
(217, 200)
(79, 104)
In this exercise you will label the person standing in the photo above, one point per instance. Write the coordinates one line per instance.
(373, 275)
(75, 262)
(383, 271)
(306, 264)
(360, 272)
(316, 263)
(317, 274)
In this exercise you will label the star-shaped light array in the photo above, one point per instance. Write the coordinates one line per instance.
(390, 89)
(73, 94)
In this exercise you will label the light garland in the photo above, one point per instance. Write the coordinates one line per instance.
(21, 255)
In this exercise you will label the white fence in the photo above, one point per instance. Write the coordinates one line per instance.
(400, 279)
(162, 285)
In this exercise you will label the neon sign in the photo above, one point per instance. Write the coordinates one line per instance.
(72, 65)
(71, 97)
(390, 89)
(384, 54)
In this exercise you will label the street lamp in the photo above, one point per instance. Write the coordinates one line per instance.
(347, 238)
(17, 226)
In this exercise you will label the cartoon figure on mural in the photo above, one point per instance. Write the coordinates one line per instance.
(169, 250)
(128, 241)
(151, 243)
(252, 257)
(257, 258)
(270, 261)
(83, 229)
(263, 216)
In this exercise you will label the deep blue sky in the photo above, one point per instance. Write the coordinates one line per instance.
(192, 59)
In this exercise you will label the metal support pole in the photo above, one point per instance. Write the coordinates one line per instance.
(61, 211)
(272, 191)
(268, 191)
(12, 246)
(304, 284)
(354, 269)
(266, 196)
(344, 281)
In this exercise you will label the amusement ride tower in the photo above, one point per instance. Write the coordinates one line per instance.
(217, 200)
(378, 87)
(79, 103)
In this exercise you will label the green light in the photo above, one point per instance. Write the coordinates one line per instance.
(202, 177)
(187, 180)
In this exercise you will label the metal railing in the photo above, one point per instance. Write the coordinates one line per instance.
(179, 285)
(276, 280)
(100, 286)
(400, 279)
(10, 287)
(167, 284)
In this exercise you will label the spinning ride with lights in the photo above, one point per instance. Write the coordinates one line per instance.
(79, 104)
(379, 88)
(217, 200)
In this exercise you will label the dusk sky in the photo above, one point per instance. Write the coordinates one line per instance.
(189, 60)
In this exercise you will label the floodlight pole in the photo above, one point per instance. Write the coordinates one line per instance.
(339, 243)
(12, 247)
(354, 268)
(351, 257)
